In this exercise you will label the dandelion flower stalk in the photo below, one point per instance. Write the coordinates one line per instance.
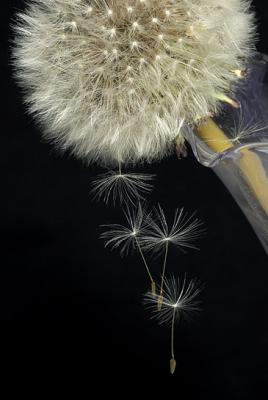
(179, 301)
(250, 164)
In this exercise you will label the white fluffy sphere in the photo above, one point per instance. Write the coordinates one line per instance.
(117, 80)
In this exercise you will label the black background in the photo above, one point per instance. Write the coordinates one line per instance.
(73, 310)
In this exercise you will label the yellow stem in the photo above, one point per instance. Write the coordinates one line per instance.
(250, 163)
(213, 136)
(226, 99)
(160, 302)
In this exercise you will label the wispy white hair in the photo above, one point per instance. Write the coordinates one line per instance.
(179, 297)
(116, 80)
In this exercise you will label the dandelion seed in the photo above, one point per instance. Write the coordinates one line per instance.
(128, 237)
(184, 230)
(167, 12)
(241, 74)
(134, 45)
(125, 187)
(135, 24)
(226, 99)
(115, 52)
(244, 128)
(179, 301)
(112, 33)
(89, 10)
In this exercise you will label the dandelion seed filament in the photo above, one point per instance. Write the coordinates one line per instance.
(145, 263)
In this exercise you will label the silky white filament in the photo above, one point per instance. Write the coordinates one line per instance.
(182, 232)
(125, 187)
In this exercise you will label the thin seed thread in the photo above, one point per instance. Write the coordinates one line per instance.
(164, 269)
(172, 333)
(144, 261)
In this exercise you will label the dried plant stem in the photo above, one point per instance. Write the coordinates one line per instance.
(160, 297)
(172, 361)
(153, 286)
(250, 163)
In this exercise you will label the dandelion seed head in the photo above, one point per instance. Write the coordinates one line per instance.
(89, 110)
